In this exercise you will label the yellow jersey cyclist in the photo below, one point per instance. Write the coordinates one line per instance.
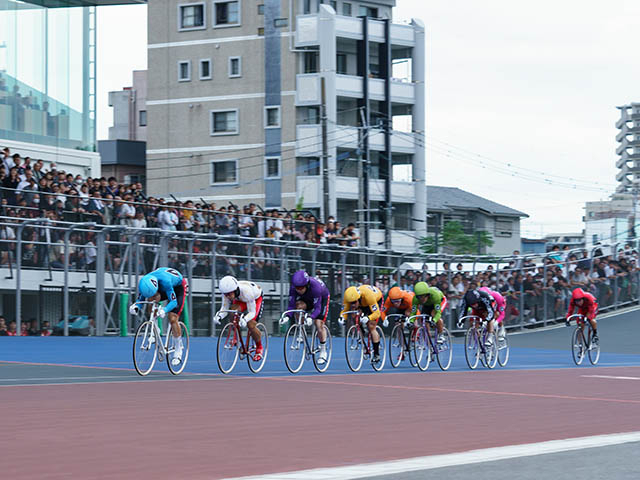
(430, 301)
(367, 299)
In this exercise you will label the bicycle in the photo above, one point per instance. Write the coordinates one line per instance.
(296, 343)
(357, 349)
(425, 348)
(400, 345)
(231, 346)
(581, 345)
(147, 348)
(475, 343)
(503, 349)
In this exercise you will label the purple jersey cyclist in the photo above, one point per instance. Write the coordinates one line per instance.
(312, 295)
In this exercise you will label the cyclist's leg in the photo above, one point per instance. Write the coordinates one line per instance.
(251, 324)
(174, 315)
(321, 321)
(371, 326)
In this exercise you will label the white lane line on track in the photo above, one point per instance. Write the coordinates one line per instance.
(611, 376)
(449, 460)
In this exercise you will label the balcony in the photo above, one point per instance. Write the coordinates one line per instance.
(626, 130)
(351, 86)
(347, 188)
(349, 27)
(309, 140)
(625, 144)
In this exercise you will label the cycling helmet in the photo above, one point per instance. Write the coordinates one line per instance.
(228, 284)
(395, 294)
(351, 295)
(421, 288)
(578, 294)
(472, 297)
(485, 289)
(300, 279)
(148, 286)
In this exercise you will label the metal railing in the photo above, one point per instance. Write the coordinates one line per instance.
(95, 267)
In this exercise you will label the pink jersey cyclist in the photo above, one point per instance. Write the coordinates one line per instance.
(500, 303)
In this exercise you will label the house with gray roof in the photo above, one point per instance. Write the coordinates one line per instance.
(475, 213)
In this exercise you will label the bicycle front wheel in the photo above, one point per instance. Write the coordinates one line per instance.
(256, 361)
(578, 346)
(295, 347)
(228, 349)
(422, 349)
(354, 348)
(321, 360)
(503, 350)
(396, 345)
(382, 351)
(445, 350)
(594, 349)
(145, 347)
(490, 358)
(471, 348)
(178, 350)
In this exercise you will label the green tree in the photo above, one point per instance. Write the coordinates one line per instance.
(453, 240)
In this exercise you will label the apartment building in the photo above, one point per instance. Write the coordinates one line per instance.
(286, 102)
(629, 149)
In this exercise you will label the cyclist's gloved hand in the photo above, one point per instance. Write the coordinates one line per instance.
(364, 320)
(385, 323)
(134, 309)
(308, 320)
(567, 322)
(459, 325)
(217, 318)
(161, 312)
(341, 320)
(284, 320)
(243, 321)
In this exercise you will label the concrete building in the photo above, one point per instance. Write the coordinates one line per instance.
(130, 110)
(610, 221)
(475, 214)
(236, 91)
(629, 149)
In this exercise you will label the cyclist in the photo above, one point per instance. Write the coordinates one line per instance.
(500, 305)
(430, 299)
(165, 284)
(481, 305)
(367, 299)
(311, 295)
(587, 305)
(245, 297)
(398, 302)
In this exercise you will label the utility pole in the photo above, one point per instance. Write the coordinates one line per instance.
(363, 172)
(325, 150)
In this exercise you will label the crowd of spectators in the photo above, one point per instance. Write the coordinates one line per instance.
(29, 328)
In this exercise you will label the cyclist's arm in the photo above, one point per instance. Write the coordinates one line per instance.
(251, 309)
(375, 312)
(571, 308)
(173, 301)
(593, 309)
(489, 308)
(317, 307)
(292, 298)
(226, 305)
(345, 308)
(463, 308)
(387, 306)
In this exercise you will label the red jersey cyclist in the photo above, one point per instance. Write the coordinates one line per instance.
(586, 305)
(245, 297)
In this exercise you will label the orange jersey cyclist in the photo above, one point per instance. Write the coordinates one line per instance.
(245, 297)
(398, 302)
(367, 299)
(586, 305)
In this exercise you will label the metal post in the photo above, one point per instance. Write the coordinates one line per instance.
(65, 291)
(214, 276)
(20, 229)
(325, 150)
(190, 281)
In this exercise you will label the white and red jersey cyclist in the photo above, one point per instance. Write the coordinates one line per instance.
(249, 299)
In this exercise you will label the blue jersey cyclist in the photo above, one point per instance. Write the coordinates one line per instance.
(165, 284)
(311, 295)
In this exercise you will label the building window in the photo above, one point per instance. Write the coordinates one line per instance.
(306, 9)
(307, 166)
(310, 62)
(205, 69)
(261, 9)
(346, 9)
(184, 71)
(368, 12)
(224, 172)
(142, 118)
(503, 228)
(341, 63)
(191, 16)
(224, 122)
(281, 22)
(226, 14)
(272, 116)
(235, 67)
(261, 31)
(334, 5)
(272, 167)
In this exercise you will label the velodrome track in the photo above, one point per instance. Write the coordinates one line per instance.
(75, 408)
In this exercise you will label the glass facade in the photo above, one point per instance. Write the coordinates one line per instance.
(47, 75)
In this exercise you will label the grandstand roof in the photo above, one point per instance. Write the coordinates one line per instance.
(446, 199)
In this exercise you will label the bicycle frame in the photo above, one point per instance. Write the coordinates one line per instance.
(365, 334)
(300, 316)
(245, 345)
(580, 319)
(153, 317)
(431, 323)
(480, 326)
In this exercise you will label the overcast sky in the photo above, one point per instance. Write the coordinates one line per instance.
(521, 96)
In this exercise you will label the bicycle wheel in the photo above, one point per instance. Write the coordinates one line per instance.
(412, 337)
(320, 363)
(382, 351)
(503, 350)
(471, 348)
(594, 348)
(295, 347)
(578, 346)
(145, 347)
(354, 348)
(229, 343)
(396, 345)
(174, 344)
(490, 357)
(422, 349)
(255, 365)
(445, 350)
